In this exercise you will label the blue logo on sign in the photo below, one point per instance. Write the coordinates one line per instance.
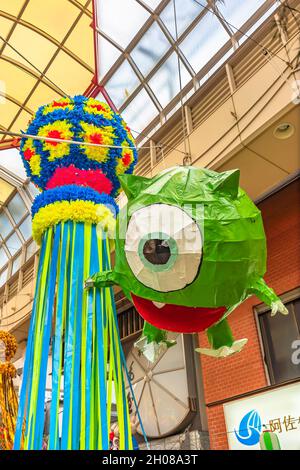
(249, 429)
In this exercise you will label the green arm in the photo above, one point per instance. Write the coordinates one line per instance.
(99, 280)
(268, 296)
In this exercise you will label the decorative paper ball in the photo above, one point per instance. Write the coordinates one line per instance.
(54, 164)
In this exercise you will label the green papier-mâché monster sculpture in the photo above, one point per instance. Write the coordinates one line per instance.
(190, 248)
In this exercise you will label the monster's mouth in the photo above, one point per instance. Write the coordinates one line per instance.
(177, 317)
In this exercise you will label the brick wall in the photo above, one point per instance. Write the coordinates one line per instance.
(245, 371)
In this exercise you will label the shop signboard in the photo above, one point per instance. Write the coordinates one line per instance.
(277, 411)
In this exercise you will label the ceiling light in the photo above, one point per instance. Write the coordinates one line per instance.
(284, 130)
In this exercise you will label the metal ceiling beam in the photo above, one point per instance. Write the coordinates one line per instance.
(207, 67)
(50, 62)
(29, 71)
(81, 7)
(32, 27)
(16, 102)
(14, 24)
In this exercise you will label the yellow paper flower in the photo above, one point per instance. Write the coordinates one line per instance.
(125, 160)
(62, 103)
(93, 106)
(57, 130)
(35, 165)
(78, 211)
(97, 135)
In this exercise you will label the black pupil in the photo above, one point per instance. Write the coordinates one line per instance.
(157, 251)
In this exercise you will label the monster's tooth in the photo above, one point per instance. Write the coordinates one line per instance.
(158, 304)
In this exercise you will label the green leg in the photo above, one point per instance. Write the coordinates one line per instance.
(153, 342)
(222, 341)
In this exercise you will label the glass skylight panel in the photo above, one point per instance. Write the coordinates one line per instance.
(10, 159)
(140, 112)
(150, 49)
(258, 23)
(237, 12)
(25, 228)
(13, 244)
(122, 84)
(185, 14)
(120, 19)
(152, 3)
(204, 41)
(31, 249)
(216, 66)
(17, 208)
(16, 265)
(3, 257)
(165, 83)
(3, 276)
(5, 225)
(106, 57)
(33, 190)
(101, 97)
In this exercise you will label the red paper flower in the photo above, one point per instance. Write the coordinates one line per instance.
(28, 154)
(99, 107)
(96, 138)
(54, 134)
(71, 175)
(57, 104)
(126, 160)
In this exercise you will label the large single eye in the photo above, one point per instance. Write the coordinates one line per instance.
(163, 247)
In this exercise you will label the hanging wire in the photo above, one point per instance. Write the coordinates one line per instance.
(264, 48)
(32, 65)
(75, 142)
(186, 141)
(158, 144)
(245, 146)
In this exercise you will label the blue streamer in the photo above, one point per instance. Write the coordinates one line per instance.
(100, 313)
(28, 363)
(38, 432)
(128, 376)
(69, 341)
(79, 249)
(54, 428)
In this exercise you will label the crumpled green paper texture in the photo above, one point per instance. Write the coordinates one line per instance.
(234, 244)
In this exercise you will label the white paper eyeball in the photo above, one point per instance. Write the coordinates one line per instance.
(163, 247)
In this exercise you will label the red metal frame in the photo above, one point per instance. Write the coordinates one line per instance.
(92, 90)
(10, 144)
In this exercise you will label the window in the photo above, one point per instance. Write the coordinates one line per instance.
(31, 249)
(16, 265)
(165, 83)
(144, 54)
(3, 257)
(5, 225)
(3, 277)
(122, 84)
(25, 228)
(13, 244)
(17, 208)
(281, 341)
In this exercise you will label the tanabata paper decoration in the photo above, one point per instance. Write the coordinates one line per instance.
(72, 219)
(190, 248)
(8, 396)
